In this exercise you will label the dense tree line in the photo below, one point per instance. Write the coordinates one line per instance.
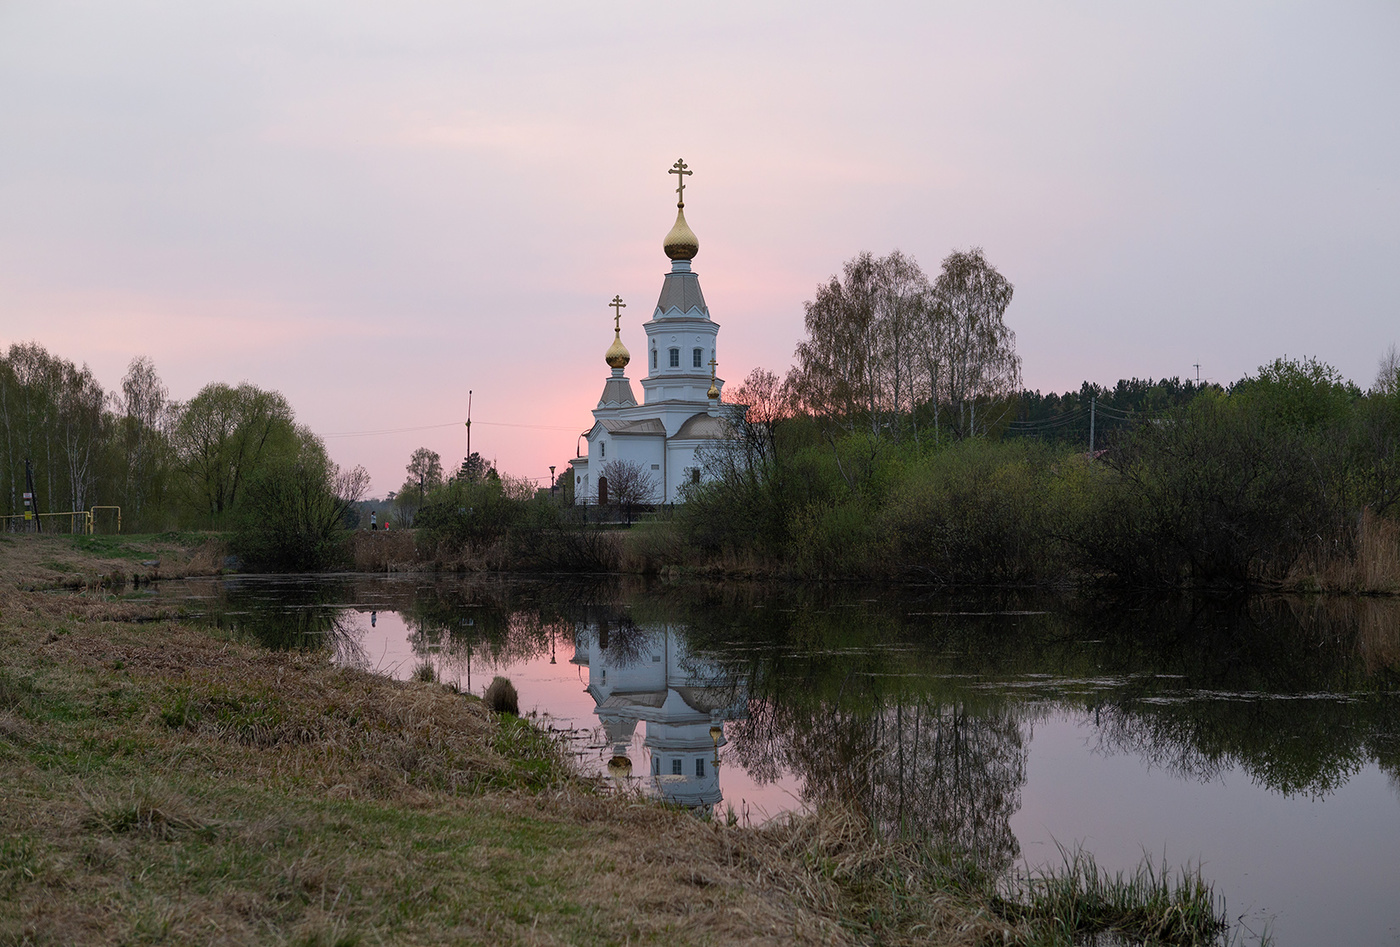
(231, 456)
(858, 463)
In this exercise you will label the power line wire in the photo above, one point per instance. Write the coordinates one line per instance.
(430, 427)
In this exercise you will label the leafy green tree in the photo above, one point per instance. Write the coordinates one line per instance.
(223, 435)
(297, 509)
(1217, 495)
(1297, 394)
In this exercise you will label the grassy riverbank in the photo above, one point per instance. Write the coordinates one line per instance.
(166, 784)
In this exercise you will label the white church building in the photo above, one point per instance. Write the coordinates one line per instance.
(680, 412)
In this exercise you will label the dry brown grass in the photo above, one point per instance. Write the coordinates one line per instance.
(1371, 567)
(384, 551)
(166, 786)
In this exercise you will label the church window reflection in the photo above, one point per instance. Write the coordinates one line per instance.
(656, 699)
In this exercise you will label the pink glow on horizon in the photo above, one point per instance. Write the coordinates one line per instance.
(374, 212)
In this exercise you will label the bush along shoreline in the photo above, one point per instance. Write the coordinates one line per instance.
(1289, 480)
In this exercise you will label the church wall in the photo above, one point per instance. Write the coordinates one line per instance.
(606, 447)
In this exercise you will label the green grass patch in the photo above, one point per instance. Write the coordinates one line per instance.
(16, 693)
(110, 547)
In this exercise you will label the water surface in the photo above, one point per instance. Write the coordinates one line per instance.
(1257, 738)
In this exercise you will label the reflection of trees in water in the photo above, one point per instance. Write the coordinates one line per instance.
(488, 637)
(490, 622)
(1290, 745)
(619, 637)
(938, 771)
(1300, 694)
(295, 615)
(1296, 692)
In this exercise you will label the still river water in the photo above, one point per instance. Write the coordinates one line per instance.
(1259, 738)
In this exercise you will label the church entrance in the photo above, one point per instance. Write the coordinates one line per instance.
(602, 491)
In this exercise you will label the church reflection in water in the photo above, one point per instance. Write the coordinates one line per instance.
(645, 674)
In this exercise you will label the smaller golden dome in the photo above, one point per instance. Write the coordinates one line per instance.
(617, 355)
(681, 243)
(713, 393)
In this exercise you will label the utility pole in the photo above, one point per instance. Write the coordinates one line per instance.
(469, 424)
(1198, 374)
(551, 479)
(1093, 404)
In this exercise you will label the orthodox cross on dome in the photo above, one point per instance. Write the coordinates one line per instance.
(680, 171)
(617, 306)
(713, 366)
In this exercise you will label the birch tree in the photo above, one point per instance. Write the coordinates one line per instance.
(972, 355)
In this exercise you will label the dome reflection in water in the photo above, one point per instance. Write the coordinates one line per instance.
(1260, 736)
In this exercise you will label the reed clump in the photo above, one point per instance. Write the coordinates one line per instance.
(1362, 559)
(1152, 904)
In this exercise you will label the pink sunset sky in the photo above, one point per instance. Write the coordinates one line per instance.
(373, 208)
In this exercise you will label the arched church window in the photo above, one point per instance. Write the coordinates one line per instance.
(695, 358)
(675, 358)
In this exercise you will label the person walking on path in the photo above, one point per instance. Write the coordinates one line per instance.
(373, 523)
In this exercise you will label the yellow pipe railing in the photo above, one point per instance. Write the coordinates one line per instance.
(96, 508)
(85, 523)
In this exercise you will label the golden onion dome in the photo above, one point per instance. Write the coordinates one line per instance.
(681, 243)
(617, 354)
(713, 393)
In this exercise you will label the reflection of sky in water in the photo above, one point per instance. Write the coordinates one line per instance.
(558, 693)
(1154, 749)
(1326, 871)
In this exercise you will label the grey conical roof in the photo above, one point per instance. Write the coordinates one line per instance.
(681, 296)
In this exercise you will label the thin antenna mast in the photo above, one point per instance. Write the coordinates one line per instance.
(469, 424)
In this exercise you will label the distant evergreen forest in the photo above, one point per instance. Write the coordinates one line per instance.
(1072, 417)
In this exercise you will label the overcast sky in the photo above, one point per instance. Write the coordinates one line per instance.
(373, 208)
